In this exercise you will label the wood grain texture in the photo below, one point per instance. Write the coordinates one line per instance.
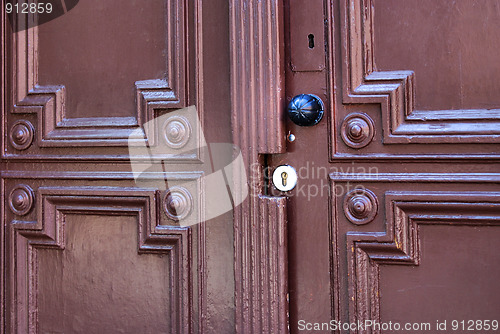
(257, 78)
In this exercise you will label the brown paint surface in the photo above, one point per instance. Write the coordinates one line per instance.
(451, 46)
(422, 160)
(183, 280)
(100, 275)
(99, 50)
(456, 280)
(384, 270)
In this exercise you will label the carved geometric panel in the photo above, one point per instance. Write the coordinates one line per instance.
(79, 96)
(48, 256)
(405, 123)
(364, 254)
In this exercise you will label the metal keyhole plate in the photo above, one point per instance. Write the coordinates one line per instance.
(285, 178)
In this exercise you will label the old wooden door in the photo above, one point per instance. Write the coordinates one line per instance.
(89, 242)
(395, 216)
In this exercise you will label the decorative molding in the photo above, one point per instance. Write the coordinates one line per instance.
(177, 203)
(21, 134)
(55, 129)
(257, 91)
(357, 252)
(176, 131)
(107, 175)
(357, 130)
(153, 95)
(54, 203)
(417, 177)
(399, 244)
(258, 74)
(360, 206)
(395, 92)
(273, 275)
(21, 199)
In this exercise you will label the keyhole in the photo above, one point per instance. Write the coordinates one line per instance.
(311, 41)
(284, 175)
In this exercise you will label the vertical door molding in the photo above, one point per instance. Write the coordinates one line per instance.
(257, 90)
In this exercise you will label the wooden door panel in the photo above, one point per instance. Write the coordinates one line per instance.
(420, 238)
(100, 275)
(399, 117)
(81, 87)
(75, 89)
(103, 161)
(462, 71)
(458, 267)
(103, 33)
(85, 247)
(433, 144)
(415, 208)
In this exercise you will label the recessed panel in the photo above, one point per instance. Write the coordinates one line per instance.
(457, 278)
(99, 49)
(452, 46)
(99, 283)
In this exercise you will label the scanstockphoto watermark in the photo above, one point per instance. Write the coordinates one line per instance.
(366, 325)
(198, 181)
(314, 180)
(440, 326)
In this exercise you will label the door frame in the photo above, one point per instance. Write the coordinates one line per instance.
(257, 63)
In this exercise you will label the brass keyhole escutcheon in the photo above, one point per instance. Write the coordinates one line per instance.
(284, 178)
(284, 175)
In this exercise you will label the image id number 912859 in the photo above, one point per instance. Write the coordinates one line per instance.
(474, 325)
(28, 8)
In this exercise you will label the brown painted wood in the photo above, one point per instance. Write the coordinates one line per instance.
(411, 117)
(257, 79)
(412, 122)
(342, 245)
(84, 248)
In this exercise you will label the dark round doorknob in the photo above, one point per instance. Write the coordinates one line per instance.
(306, 109)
